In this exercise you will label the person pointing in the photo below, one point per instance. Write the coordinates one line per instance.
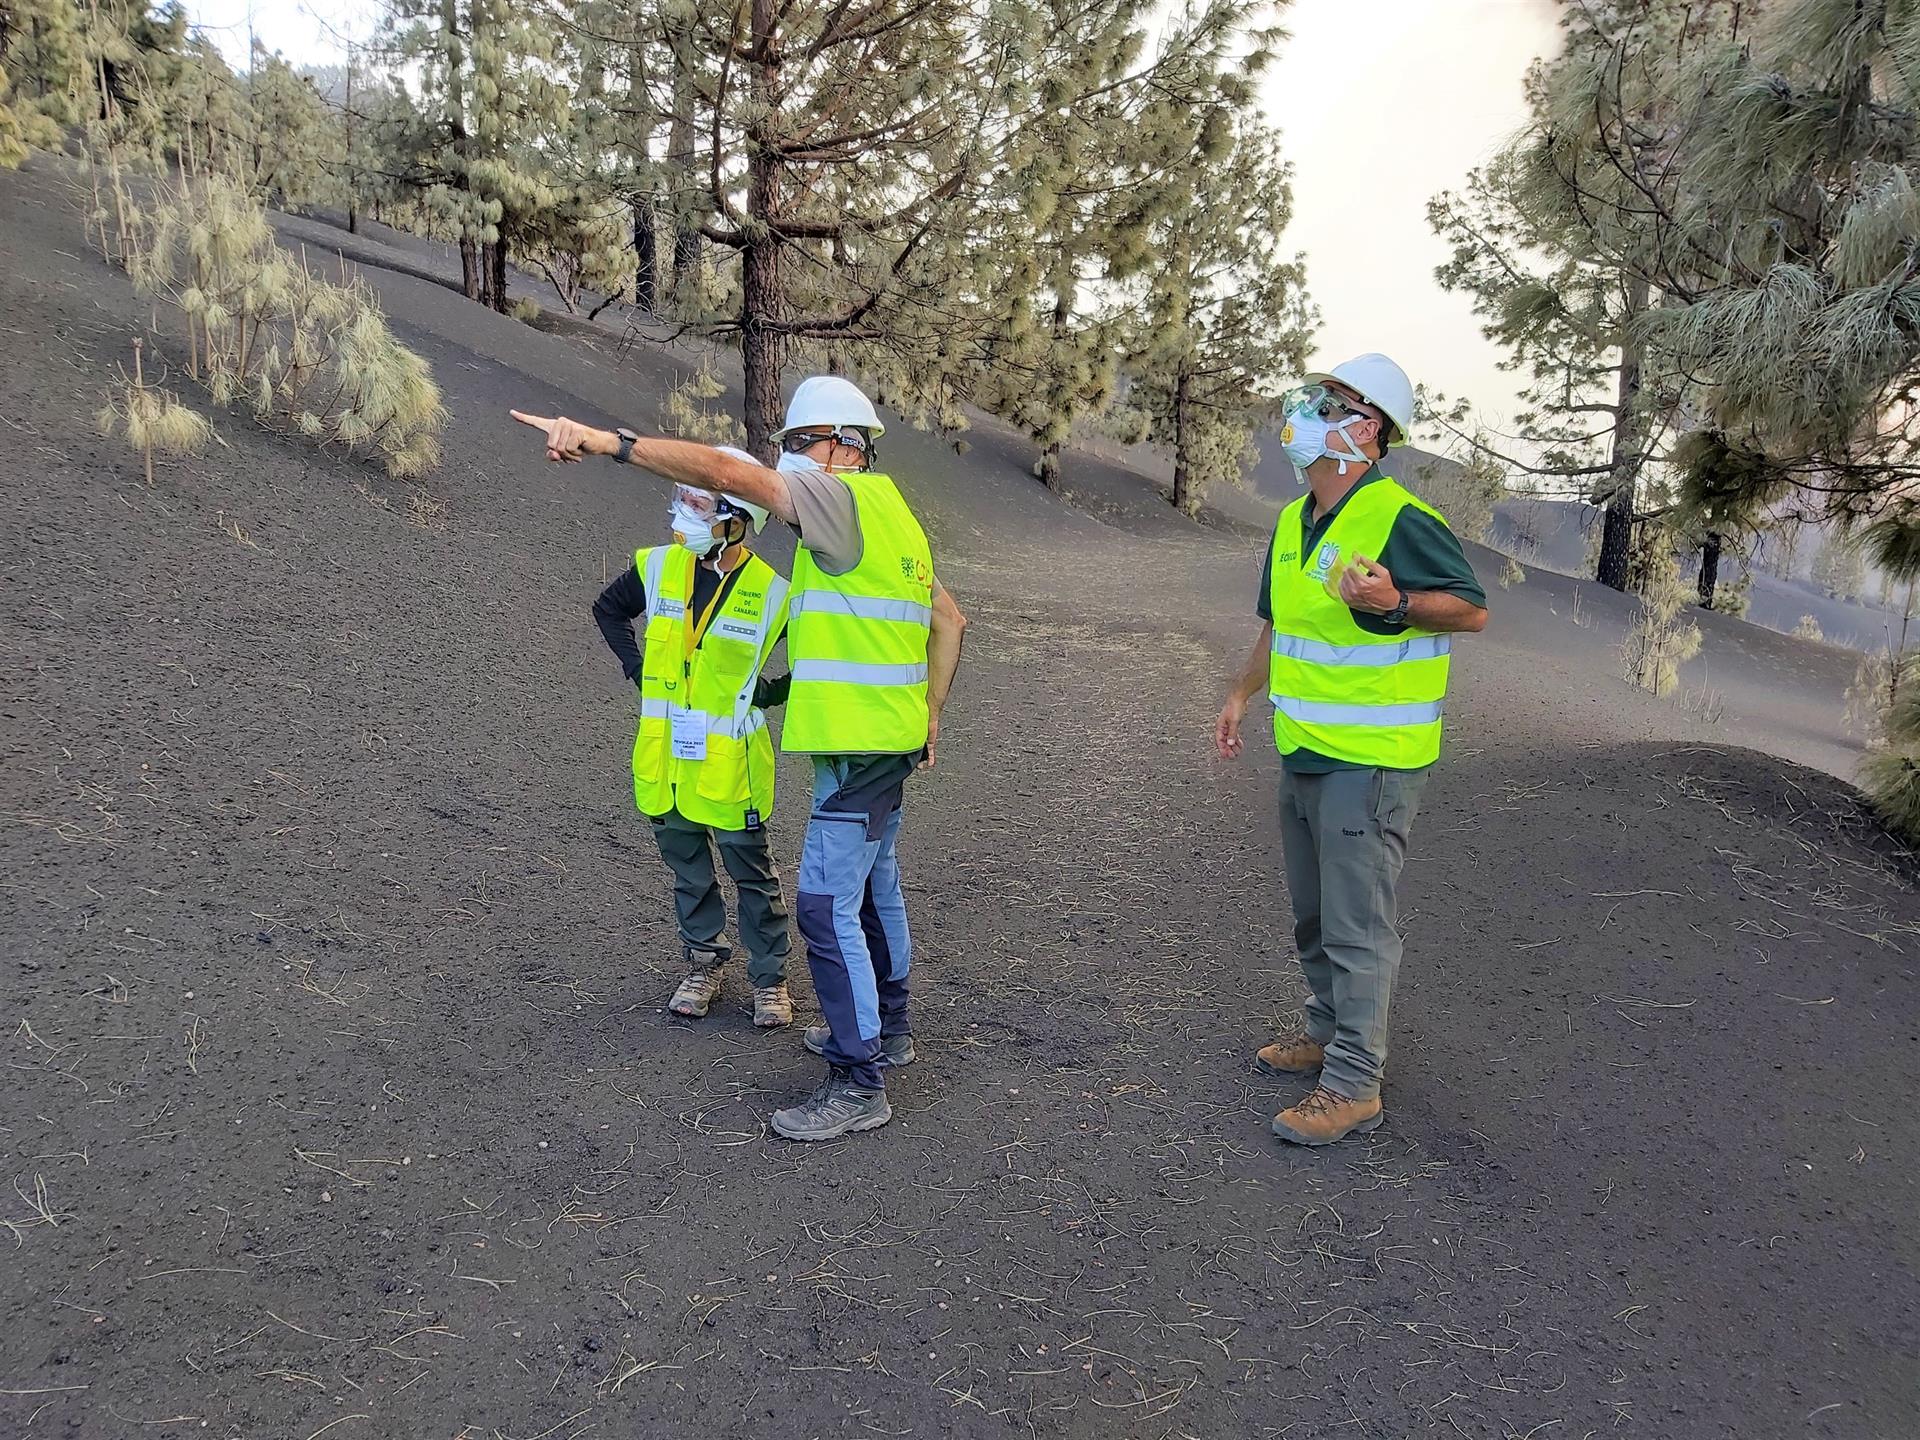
(873, 644)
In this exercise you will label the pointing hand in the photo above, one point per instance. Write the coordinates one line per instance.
(567, 440)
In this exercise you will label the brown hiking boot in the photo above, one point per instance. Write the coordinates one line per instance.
(772, 1006)
(1326, 1116)
(1297, 1055)
(696, 994)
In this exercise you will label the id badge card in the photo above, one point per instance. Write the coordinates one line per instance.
(689, 734)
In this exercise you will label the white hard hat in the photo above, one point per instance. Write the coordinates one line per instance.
(756, 514)
(830, 400)
(1379, 382)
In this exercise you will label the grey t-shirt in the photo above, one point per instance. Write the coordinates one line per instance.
(827, 518)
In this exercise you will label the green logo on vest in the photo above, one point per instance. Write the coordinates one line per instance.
(1324, 559)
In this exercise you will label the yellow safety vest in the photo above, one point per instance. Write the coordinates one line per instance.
(858, 641)
(1336, 688)
(702, 747)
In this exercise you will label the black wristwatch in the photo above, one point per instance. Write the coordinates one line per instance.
(625, 452)
(1398, 614)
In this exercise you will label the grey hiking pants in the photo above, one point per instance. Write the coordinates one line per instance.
(702, 910)
(1345, 838)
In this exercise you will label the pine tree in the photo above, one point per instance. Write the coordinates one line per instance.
(1550, 241)
(1791, 293)
(1223, 320)
(1083, 188)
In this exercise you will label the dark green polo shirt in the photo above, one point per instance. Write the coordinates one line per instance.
(1420, 554)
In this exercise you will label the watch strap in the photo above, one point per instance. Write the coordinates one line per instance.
(625, 452)
(1398, 614)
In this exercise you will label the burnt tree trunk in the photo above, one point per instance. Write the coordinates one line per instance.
(496, 254)
(1623, 482)
(1050, 456)
(646, 254)
(1709, 568)
(680, 157)
(762, 294)
(1182, 469)
(472, 276)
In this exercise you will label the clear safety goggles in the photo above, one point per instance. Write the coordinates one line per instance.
(795, 441)
(1319, 400)
(694, 501)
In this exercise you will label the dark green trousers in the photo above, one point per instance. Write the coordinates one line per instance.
(1345, 838)
(688, 850)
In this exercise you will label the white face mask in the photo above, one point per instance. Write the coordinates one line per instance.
(695, 532)
(1306, 438)
(798, 460)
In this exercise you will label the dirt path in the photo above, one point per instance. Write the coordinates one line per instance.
(341, 1094)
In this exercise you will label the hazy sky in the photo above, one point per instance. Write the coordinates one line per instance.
(1381, 103)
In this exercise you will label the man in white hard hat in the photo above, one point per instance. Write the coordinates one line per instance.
(702, 757)
(1364, 584)
(873, 642)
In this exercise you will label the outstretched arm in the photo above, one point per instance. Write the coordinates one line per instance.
(943, 660)
(682, 461)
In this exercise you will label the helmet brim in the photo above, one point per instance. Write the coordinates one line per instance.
(1321, 377)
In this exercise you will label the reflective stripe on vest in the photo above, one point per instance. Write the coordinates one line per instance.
(1392, 652)
(1337, 688)
(1316, 712)
(859, 672)
(861, 607)
(858, 640)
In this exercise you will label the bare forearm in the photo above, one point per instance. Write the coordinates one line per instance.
(1254, 670)
(1442, 612)
(943, 648)
(685, 462)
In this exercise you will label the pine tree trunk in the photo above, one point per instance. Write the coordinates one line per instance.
(472, 277)
(1616, 539)
(353, 179)
(1050, 465)
(684, 183)
(496, 254)
(1063, 296)
(646, 253)
(762, 293)
(1709, 568)
(1182, 470)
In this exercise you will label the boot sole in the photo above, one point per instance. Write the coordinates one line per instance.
(1265, 1069)
(1289, 1134)
(865, 1122)
(891, 1064)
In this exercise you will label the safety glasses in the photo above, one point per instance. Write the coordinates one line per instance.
(795, 441)
(1319, 400)
(703, 503)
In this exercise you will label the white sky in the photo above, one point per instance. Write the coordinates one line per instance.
(1381, 103)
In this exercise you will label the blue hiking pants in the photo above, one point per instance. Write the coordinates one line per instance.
(854, 921)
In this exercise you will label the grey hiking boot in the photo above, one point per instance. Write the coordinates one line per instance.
(837, 1108)
(895, 1050)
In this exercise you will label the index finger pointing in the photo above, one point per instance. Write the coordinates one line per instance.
(538, 422)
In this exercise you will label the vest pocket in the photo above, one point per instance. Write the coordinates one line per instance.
(723, 774)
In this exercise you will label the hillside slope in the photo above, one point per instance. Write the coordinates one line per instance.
(342, 1098)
